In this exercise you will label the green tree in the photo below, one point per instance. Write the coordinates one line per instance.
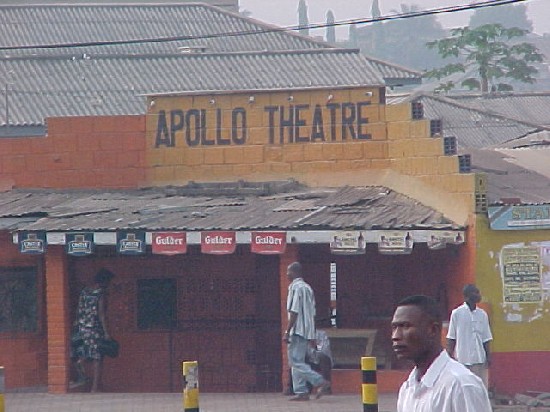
(331, 30)
(489, 52)
(509, 15)
(303, 19)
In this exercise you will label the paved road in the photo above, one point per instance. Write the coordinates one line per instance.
(164, 402)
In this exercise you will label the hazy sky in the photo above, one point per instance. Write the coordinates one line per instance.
(284, 12)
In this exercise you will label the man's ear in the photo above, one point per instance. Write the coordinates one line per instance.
(435, 329)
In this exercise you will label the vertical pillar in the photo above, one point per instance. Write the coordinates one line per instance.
(290, 255)
(2, 388)
(191, 389)
(59, 324)
(369, 387)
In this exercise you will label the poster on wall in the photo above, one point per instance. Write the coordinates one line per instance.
(348, 243)
(521, 274)
(218, 242)
(79, 244)
(268, 243)
(169, 243)
(130, 242)
(395, 242)
(32, 242)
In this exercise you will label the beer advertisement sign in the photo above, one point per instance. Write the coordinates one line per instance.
(218, 242)
(268, 243)
(169, 243)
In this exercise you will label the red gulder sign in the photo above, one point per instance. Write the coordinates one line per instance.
(169, 243)
(218, 243)
(268, 243)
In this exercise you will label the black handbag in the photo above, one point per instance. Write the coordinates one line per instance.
(76, 339)
(108, 347)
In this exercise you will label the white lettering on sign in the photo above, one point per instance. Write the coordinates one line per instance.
(268, 240)
(218, 240)
(168, 240)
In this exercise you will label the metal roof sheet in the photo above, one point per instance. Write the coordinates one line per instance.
(509, 177)
(528, 107)
(473, 128)
(115, 86)
(210, 50)
(201, 27)
(156, 209)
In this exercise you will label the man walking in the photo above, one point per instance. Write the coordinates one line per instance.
(438, 383)
(300, 334)
(469, 334)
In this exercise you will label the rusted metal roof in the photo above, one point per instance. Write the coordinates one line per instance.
(286, 207)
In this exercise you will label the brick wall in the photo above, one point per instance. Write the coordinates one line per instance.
(78, 152)
(24, 355)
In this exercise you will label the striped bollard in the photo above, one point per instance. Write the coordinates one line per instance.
(2, 387)
(191, 386)
(369, 386)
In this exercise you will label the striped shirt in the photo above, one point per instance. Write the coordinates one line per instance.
(301, 301)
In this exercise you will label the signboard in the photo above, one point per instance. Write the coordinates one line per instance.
(169, 243)
(130, 242)
(438, 239)
(218, 242)
(32, 242)
(348, 243)
(521, 274)
(522, 217)
(79, 244)
(395, 242)
(268, 243)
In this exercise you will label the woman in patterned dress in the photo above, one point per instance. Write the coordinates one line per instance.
(92, 327)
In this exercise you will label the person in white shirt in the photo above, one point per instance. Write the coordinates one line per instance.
(469, 334)
(437, 383)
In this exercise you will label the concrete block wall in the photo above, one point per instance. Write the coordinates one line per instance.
(413, 152)
(270, 150)
(78, 152)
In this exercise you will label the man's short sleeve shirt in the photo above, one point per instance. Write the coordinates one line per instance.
(301, 301)
(470, 329)
(447, 386)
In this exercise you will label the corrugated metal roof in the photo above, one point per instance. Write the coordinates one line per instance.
(473, 128)
(528, 107)
(115, 86)
(162, 209)
(508, 177)
(109, 80)
(207, 27)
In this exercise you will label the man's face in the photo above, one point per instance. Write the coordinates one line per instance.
(413, 333)
(473, 296)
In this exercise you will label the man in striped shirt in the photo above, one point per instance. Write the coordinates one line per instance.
(300, 334)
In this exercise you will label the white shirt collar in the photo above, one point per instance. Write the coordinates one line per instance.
(433, 372)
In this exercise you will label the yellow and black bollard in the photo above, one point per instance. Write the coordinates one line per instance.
(2, 387)
(191, 386)
(369, 386)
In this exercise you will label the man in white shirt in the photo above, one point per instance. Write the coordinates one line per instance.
(438, 383)
(469, 334)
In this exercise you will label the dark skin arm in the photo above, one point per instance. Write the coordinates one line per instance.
(291, 323)
(487, 353)
(451, 343)
(102, 318)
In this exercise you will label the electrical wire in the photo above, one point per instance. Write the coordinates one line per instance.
(411, 14)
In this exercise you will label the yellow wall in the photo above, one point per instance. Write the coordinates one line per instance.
(516, 327)
(336, 136)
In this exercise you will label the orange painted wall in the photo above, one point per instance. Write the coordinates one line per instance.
(78, 152)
